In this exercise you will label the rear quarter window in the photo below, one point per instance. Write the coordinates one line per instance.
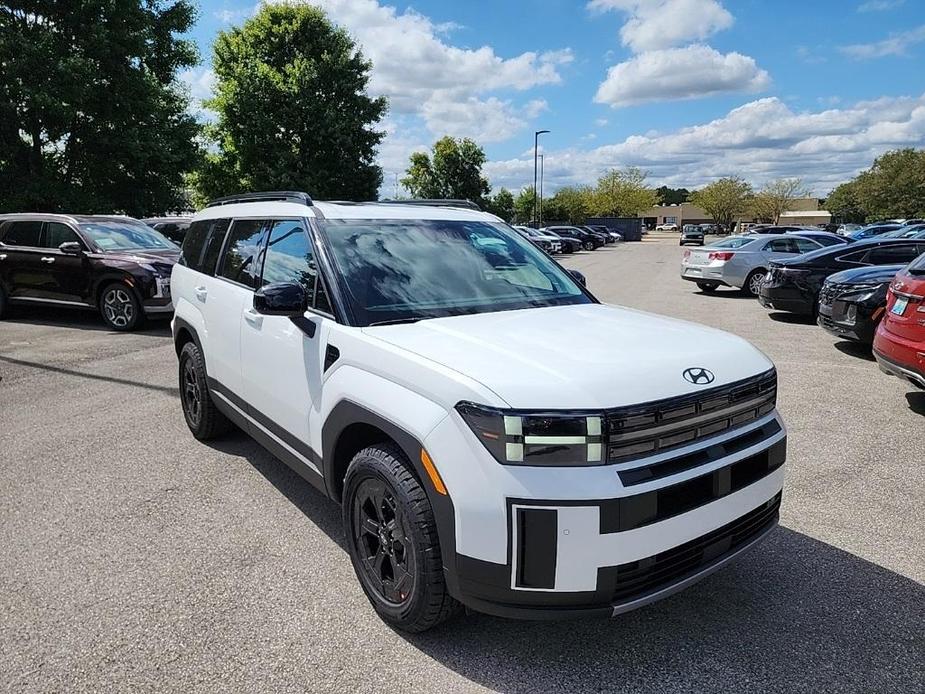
(22, 233)
(191, 250)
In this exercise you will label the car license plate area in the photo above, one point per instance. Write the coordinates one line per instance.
(899, 308)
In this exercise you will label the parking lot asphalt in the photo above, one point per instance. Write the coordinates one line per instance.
(134, 558)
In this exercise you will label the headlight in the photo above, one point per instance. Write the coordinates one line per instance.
(861, 292)
(526, 438)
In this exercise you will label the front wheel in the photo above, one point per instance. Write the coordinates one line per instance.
(753, 282)
(120, 308)
(588, 246)
(392, 540)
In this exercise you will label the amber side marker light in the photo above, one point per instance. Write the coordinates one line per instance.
(432, 473)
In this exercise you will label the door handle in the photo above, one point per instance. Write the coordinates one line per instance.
(48, 259)
(254, 318)
(201, 293)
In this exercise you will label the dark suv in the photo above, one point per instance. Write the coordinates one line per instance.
(588, 240)
(174, 228)
(117, 266)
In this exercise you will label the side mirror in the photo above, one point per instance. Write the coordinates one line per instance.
(578, 277)
(281, 299)
(71, 248)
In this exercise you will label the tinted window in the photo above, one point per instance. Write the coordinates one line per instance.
(782, 246)
(191, 251)
(57, 233)
(214, 241)
(889, 255)
(125, 236)
(917, 267)
(289, 256)
(735, 242)
(805, 245)
(23, 233)
(243, 251)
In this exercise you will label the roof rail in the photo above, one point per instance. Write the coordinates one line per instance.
(265, 196)
(434, 202)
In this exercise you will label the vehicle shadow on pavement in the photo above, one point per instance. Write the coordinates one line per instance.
(792, 318)
(916, 402)
(795, 614)
(725, 293)
(79, 319)
(855, 349)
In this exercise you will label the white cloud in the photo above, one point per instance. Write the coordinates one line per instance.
(761, 140)
(654, 24)
(226, 16)
(199, 81)
(600, 122)
(489, 120)
(896, 44)
(679, 73)
(879, 5)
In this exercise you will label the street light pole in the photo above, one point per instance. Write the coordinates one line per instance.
(542, 168)
(536, 138)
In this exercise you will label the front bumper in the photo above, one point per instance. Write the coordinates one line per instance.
(161, 302)
(787, 298)
(560, 542)
(834, 320)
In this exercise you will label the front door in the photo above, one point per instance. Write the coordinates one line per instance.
(281, 363)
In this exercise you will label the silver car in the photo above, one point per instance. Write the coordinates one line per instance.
(740, 261)
(548, 242)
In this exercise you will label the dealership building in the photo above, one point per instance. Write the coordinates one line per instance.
(802, 211)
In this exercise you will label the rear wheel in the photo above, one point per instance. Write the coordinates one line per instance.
(203, 418)
(754, 281)
(588, 246)
(707, 287)
(392, 541)
(120, 308)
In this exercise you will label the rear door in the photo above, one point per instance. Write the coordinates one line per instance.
(25, 275)
(282, 361)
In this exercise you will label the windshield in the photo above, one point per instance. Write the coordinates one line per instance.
(734, 242)
(402, 271)
(125, 236)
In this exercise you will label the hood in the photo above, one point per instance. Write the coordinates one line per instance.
(168, 255)
(866, 275)
(584, 356)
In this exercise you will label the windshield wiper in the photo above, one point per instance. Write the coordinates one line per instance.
(394, 321)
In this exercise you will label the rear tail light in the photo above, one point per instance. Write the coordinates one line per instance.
(721, 255)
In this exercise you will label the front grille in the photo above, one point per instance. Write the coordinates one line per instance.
(639, 578)
(644, 430)
(831, 291)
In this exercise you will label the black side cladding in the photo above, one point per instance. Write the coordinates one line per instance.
(536, 547)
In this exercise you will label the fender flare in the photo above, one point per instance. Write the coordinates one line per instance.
(180, 324)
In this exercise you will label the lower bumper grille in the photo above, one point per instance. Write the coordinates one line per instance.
(636, 579)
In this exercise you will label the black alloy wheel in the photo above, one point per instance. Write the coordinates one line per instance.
(588, 245)
(203, 418)
(392, 540)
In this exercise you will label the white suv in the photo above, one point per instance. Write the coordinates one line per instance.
(416, 364)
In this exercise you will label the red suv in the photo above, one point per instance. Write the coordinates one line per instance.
(900, 342)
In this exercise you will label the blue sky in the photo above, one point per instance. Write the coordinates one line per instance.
(689, 90)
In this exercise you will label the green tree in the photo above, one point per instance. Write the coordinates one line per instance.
(672, 196)
(569, 204)
(723, 199)
(894, 186)
(92, 116)
(776, 198)
(453, 169)
(523, 205)
(844, 204)
(621, 193)
(292, 107)
(501, 204)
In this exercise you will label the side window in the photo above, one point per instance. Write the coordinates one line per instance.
(888, 255)
(213, 247)
(191, 251)
(243, 251)
(805, 245)
(57, 233)
(289, 256)
(856, 258)
(23, 234)
(781, 245)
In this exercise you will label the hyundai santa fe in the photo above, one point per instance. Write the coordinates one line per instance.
(416, 364)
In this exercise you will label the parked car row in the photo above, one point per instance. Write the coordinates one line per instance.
(569, 239)
(869, 291)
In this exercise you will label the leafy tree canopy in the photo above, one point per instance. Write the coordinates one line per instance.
(523, 205)
(723, 199)
(672, 196)
(621, 193)
(453, 169)
(776, 198)
(501, 204)
(92, 118)
(569, 204)
(292, 108)
(894, 187)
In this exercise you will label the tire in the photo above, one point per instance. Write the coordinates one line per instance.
(386, 514)
(588, 246)
(753, 282)
(120, 308)
(707, 287)
(203, 418)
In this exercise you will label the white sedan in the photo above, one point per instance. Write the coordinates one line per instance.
(667, 227)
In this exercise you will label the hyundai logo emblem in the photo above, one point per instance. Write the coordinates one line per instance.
(698, 376)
